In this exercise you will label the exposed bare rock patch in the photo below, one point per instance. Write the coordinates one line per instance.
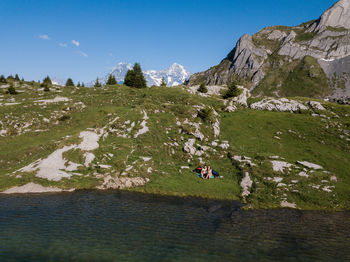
(282, 105)
(286, 204)
(246, 184)
(280, 166)
(33, 188)
(116, 182)
(310, 165)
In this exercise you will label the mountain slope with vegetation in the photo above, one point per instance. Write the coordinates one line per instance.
(271, 152)
(310, 59)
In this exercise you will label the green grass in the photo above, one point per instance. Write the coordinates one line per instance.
(307, 80)
(303, 36)
(254, 133)
(188, 184)
(303, 78)
(249, 132)
(277, 70)
(336, 29)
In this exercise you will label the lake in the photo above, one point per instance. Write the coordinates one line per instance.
(122, 226)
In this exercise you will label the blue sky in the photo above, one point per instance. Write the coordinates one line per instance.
(83, 39)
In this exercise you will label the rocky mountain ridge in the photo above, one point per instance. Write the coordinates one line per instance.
(263, 62)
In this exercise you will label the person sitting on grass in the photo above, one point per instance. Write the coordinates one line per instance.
(204, 172)
(209, 174)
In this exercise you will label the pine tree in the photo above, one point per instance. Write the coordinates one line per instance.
(83, 85)
(97, 83)
(233, 91)
(163, 84)
(2, 79)
(17, 77)
(135, 77)
(10, 77)
(47, 81)
(111, 80)
(202, 88)
(140, 81)
(137, 68)
(78, 85)
(129, 79)
(69, 82)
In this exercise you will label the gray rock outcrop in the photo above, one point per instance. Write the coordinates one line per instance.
(326, 39)
(245, 60)
(336, 16)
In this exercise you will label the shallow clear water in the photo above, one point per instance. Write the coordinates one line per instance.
(110, 226)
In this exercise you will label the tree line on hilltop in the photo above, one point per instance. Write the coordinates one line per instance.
(133, 78)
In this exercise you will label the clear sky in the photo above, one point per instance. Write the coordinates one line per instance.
(83, 39)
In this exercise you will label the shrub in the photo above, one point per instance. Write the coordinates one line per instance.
(206, 114)
(233, 91)
(202, 88)
(11, 90)
(64, 118)
(46, 88)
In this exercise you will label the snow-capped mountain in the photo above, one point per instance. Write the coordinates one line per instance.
(174, 75)
(58, 81)
(119, 72)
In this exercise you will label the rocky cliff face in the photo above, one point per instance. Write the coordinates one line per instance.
(336, 16)
(265, 61)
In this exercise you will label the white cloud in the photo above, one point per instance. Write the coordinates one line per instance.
(62, 44)
(75, 42)
(44, 37)
(82, 54)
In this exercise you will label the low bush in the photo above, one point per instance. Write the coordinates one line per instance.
(11, 90)
(206, 114)
(202, 89)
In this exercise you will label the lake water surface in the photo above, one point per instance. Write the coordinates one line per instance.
(112, 226)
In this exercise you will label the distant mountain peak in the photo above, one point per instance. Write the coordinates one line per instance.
(174, 75)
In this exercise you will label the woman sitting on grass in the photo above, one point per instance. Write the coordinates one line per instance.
(209, 174)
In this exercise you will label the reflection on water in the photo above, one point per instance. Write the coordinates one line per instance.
(110, 226)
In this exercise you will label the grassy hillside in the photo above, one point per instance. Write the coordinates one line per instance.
(143, 134)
